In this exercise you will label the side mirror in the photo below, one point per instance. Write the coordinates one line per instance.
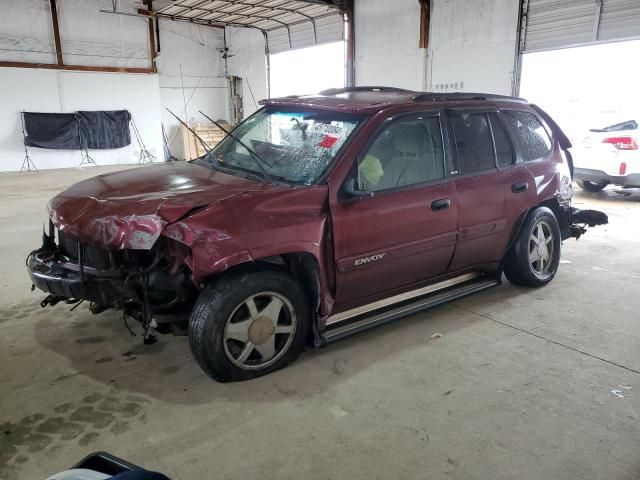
(350, 190)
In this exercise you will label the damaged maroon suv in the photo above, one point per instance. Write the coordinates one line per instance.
(318, 217)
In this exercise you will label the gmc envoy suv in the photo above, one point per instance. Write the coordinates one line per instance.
(318, 217)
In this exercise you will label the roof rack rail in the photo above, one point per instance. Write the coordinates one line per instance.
(338, 91)
(438, 97)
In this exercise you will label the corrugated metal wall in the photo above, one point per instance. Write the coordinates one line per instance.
(553, 24)
(327, 29)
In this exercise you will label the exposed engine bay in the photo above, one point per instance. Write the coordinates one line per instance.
(143, 284)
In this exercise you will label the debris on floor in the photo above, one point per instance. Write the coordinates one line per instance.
(436, 336)
(621, 391)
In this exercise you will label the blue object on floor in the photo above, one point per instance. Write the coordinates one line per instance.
(140, 475)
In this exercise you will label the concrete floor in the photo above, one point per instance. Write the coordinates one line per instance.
(518, 386)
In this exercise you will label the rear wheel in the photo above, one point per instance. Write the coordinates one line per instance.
(248, 325)
(533, 259)
(591, 186)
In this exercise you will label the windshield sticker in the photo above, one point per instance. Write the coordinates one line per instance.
(327, 141)
(327, 129)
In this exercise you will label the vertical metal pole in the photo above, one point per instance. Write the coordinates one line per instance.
(230, 93)
(267, 62)
(425, 25)
(521, 38)
(350, 41)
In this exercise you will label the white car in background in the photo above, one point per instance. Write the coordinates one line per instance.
(609, 155)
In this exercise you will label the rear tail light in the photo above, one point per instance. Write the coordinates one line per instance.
(623, 168)
(622, 143)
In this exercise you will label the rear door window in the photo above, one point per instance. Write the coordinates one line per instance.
(473, 142)
(530, 133)
(504, 151)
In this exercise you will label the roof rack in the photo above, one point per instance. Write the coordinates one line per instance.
(338, 91)
(439, 97)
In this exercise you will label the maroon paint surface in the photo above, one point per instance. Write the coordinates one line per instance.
(227, 220)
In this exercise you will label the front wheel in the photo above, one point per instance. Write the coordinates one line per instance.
(591, 186)
(250, 324)
(534, 257)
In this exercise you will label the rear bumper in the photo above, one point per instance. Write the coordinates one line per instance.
(590, 175)
(47, 275)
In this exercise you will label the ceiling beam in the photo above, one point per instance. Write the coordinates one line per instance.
(80, 68)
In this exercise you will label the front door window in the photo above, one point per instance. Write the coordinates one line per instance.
(408, 152)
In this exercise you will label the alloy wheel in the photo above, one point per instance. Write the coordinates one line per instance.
(259, 331)
(541, 249)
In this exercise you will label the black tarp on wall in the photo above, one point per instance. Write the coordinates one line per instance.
(73, 131)
(100, 130)
(52, 130)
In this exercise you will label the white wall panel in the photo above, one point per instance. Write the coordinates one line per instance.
(387, 36)
(26, 31)
(61, 91)
(191, 71)
(90, 37)
(247, 60)
(194, 50)
(404, 70)
(472, 45)
(473, 68)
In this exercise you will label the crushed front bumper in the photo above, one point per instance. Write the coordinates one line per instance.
(49, 275)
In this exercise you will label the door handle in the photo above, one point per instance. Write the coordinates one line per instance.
(519, 187)
(441, 204)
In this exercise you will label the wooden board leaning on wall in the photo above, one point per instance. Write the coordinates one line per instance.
(211, 135)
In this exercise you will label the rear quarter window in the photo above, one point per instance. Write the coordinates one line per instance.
(533, 138)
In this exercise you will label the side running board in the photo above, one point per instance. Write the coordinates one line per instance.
(362, 318)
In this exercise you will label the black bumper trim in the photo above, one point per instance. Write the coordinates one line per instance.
(48, 276)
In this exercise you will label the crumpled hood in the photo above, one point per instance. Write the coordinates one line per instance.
(130, 209)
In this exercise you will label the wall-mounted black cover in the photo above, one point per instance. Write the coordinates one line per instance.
(74, 131)
(102, 130)
(52, 130)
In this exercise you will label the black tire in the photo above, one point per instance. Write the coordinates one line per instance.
(518, 264)
(591, 186)
(213, 310)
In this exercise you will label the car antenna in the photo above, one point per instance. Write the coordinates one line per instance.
(249, 149)
(206, 147)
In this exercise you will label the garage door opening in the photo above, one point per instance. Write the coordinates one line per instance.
(592, 93)
(307, 70)
(585, 88)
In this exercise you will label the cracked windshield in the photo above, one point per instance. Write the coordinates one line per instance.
(295, 147)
